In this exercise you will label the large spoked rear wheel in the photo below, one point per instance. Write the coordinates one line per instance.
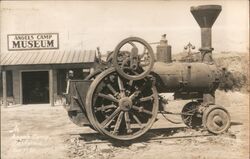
(120, 108)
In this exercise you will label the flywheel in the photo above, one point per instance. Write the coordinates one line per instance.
(133, 58)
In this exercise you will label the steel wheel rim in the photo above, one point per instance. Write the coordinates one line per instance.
(114, 126)
(120, 70)
(216, 119)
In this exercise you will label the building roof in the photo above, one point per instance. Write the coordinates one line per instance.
(49, 57)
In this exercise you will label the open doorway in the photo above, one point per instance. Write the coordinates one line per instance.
(35, 86)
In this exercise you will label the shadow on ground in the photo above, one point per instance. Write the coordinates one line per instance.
(152, 133)
(236, 123)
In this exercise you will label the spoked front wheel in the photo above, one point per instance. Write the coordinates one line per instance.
(120, 108)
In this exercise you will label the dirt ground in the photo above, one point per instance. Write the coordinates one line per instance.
(44, 132)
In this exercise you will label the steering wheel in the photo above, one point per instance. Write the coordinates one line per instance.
(133, 58)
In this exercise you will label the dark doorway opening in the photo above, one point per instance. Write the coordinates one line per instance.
(35, 87)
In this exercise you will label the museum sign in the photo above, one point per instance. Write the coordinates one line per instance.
(36, 41)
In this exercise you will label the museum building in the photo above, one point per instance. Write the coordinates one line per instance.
(29, 77)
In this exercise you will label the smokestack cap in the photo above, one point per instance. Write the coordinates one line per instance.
(205, 15)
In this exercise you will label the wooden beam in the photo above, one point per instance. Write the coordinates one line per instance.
(51, 87)
(4, 88)
(54, 66)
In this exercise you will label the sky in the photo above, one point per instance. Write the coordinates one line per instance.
(84, 25)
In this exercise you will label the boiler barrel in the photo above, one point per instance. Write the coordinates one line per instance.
(187, 77)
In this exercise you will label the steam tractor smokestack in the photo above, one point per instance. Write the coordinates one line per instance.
(205, 15)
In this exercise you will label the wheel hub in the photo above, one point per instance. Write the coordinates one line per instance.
(218, 121)
(125, 103)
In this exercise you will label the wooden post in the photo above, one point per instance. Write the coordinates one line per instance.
(51, 87)
(20, 81)
(91, 70)
(4, 89)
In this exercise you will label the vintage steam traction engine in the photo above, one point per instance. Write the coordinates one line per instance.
(121, 99)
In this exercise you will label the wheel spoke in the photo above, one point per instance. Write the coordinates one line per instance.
(103, 108)
(137, 120)
(112, 89)
(108, 120)
(132, 44)
(134, 95)
(127, 121)
(130, 82)
(121, 86)
(141, 109)
(108, 97)
(144, 99)
(118, 123)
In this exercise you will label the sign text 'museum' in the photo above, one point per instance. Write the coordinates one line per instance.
(37, 41)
